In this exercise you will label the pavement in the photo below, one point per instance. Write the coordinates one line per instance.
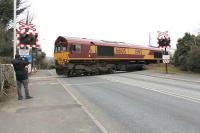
(52, 109)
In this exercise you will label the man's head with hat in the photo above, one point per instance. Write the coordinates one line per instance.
(17, 56)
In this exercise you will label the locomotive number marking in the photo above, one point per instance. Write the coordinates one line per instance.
(138, 51)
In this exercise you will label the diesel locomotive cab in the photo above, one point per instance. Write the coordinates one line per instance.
(61, 54)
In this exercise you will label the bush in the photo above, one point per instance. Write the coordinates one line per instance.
(182, 62)
(193, 61)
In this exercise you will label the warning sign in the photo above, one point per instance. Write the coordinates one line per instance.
(166, 58)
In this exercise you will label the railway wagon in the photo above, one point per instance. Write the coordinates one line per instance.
(82, 56)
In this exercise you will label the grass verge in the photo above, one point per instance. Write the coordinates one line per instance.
(170, 68)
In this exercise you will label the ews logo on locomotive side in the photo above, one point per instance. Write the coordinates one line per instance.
(120, 50)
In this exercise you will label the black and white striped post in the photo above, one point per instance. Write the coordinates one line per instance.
(166, 62)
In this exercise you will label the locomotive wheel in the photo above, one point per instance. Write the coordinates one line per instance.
(59, 71)
(111, 71)
(72, 73)
(97, 71)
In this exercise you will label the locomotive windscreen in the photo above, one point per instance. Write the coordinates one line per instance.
(60, 45)
(105, 51)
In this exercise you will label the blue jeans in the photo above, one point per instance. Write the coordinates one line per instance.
(19, 86)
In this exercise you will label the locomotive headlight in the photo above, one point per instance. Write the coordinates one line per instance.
(66, 60)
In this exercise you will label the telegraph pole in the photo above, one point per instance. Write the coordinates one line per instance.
(14, 29)
(149, 38)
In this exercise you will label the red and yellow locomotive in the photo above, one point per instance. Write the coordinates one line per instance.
(77, 56)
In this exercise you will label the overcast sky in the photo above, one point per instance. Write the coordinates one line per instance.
(115, 20)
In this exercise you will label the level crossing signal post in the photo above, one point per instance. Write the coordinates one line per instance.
(164, 42)
(27, 39)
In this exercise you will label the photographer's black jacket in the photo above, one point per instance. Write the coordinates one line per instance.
(20, 69)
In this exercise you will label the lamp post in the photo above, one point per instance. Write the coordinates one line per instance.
(14, 30)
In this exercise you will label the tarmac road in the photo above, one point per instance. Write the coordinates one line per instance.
(136, 102)
(140, 102)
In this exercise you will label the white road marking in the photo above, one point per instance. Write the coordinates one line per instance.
(51, 72)
(46, 77)
(53, 83)
(98, 124)
(168, 77)
(91, 83)
(192, 99)
(43, 83)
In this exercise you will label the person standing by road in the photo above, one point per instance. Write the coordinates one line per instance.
(21, 76)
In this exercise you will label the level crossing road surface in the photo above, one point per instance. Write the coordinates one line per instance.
(135, 102)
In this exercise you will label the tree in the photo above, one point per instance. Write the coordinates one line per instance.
(6, 11)
(38, 57)
(5, 48)
(186, 56)
(197, 40)
(193, 60)
(183, 47)
(48, 63)
(6, 30)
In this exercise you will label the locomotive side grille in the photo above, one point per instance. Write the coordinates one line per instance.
(105, 51)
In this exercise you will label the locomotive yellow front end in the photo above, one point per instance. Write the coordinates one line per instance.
(61, 58)
(61, 55)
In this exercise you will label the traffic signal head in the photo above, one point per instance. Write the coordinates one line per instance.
(28, 39)
(164, 42)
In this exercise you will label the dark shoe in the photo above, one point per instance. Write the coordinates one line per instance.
(20, 98)
(29, 97)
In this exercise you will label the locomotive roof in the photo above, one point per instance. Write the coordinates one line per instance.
(87, 41)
